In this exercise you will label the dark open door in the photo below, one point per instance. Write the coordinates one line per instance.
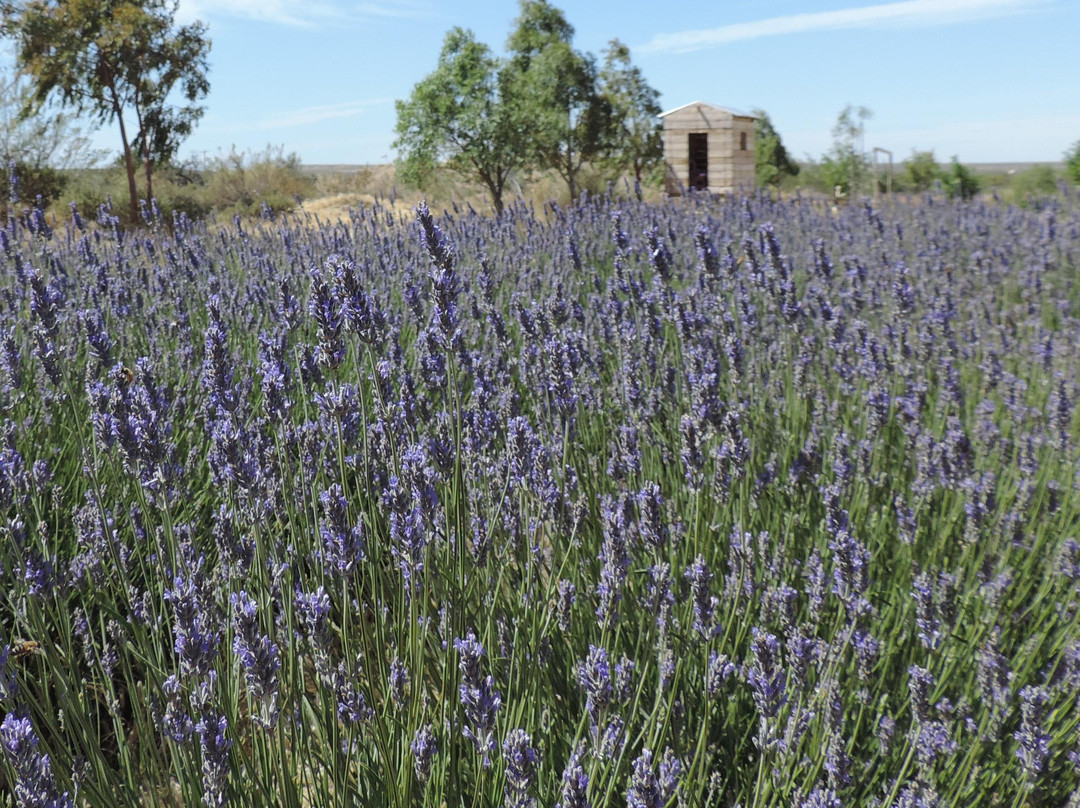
(699, 161)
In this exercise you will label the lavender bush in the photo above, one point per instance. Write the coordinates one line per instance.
(732, 503)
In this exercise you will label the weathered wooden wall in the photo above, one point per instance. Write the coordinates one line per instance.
(730, 169)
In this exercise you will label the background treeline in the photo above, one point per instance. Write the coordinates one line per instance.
(546, 121)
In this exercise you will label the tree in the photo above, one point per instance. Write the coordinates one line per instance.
(50, 138)
(460, 114)
(922, 170)
(845, 164)
(636, 137)
(960, 181)
(771, 161)
(1072, 163)
(112, 58)
(554, 88)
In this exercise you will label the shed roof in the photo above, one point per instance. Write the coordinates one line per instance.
(729, 110)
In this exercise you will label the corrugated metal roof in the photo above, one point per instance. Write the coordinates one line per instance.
(728, 110)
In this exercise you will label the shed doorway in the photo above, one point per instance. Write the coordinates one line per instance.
(699, 161)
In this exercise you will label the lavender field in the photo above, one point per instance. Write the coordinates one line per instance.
(729, 503)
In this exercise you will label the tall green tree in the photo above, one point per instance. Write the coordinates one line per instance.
(115, 61)
(462, 116)
(635, 137)
(555, 90)
(845, 165)
(922, 170)
(771, 161)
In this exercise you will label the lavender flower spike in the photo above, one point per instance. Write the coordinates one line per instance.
(478, 696)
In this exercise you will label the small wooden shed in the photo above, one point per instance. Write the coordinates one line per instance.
(708, 148)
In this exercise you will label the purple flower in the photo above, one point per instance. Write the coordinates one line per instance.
(820, 798)
(705, 604)
(424, 748)
(177, 723)
(326, 311)
(522, 762)
(35, 784)
(1034, 749)
(575, 784)
(196, 634)
(258, 659)
(766, 676)
(478, 696)
(594, 676)
(646, 789)
(399, 683)
(343, 544)
(212, 730)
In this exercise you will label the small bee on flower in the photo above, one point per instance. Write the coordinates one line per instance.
(21, 649)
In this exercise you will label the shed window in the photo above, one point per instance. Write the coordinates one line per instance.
(699, 161)
(742, 141)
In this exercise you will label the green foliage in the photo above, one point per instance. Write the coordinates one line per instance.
(37, 183)
(114, 58)
(247, 183)
(845, 166)
(921, 171)
(545, 108)
(1072, 163)
(228, 184)
(1035, 181)
(636, 138)
(772, 163)
(460, 116)
(959, 181)
(555, 91)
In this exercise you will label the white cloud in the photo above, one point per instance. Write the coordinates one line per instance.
(915, 13)
(318, 114)
(298, 13)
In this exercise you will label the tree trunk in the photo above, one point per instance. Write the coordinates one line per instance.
(149, 184)
(129, 161)
(495, 188)
(145, 150)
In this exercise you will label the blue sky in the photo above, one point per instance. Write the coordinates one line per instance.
(986, 80)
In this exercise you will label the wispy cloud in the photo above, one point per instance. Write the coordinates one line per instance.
(299, 13)
(318, 114)
(915, 13)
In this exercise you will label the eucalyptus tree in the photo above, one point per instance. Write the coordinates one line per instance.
(635, 138)
(556, 90)
(114, 61)
(461, 116)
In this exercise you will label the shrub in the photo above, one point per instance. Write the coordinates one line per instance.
(1033, 182)
(960, 182)
(34, 182)
(921, 170)
(1072, 163)
(240, 182)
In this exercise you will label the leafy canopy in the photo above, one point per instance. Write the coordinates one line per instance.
(771, 161)
(545, 107)
(635, 138)
(845, 165)
(459, 115)
(555, 87)
(922, 170)
(113, 60)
